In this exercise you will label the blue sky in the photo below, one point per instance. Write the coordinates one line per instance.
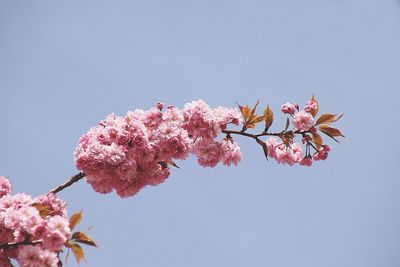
(64, 65)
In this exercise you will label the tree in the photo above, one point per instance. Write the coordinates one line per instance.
(125, 154)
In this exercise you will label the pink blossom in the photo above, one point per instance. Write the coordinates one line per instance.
(100, 185)
(58, 223)
(171, 141)
(284, 154)
(173, 115)
(35, 256)
(54, 240)
(199, 119)
(16, 201)
(272, 143)
(297, 151)
(6, 234)
(129, 189)
(49, 259)
(125, 154)
(56, 205)
(11, 218)
(32, 224)
(5, 187)
(27, 212)
(224, 116)
(114, 154)
(20, 220)
(208, 152)
(39, 230)
(160, 106)
(288, 108)
(322, 154)
(4, 260)
(230, 152)
(306, 161)
(303, 121)
(287, 155)
(30, 256)
(311, 106)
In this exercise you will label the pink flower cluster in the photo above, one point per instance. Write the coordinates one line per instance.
(284, 154)
(287, 152)
(302, 120)
(23, 219)
(128, 153)
(311, 106)
(293, 153)
(289, 108)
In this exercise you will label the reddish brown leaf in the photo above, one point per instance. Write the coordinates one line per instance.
(172, 163)
(327, 118)
(250, 118)
(269, 117)
(314, 112)
(331, 132)
(44, 210)
(78, 252)
(67, 256)
(264, 147)
(253, 111)
(313, 98)
(83, 238)
(317, 139)
(245, 110)
(258, 119)
(75, 219)
(287, 124)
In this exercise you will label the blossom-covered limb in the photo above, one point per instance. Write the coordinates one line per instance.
(16, 244)
(126, 153)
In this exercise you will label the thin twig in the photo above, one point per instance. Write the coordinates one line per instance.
(68, 183)
(256, 137)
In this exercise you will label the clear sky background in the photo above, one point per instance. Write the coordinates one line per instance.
(64, 65)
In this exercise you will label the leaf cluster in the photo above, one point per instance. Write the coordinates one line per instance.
(78, 237)
(250, 118)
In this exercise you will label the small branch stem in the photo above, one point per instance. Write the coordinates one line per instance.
(239, 133)
(68, 183)
(255, 136)
(16, 244)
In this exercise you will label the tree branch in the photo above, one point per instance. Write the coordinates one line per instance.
(23, 243)
(283, 134)
(256, 137)
(68, 183)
